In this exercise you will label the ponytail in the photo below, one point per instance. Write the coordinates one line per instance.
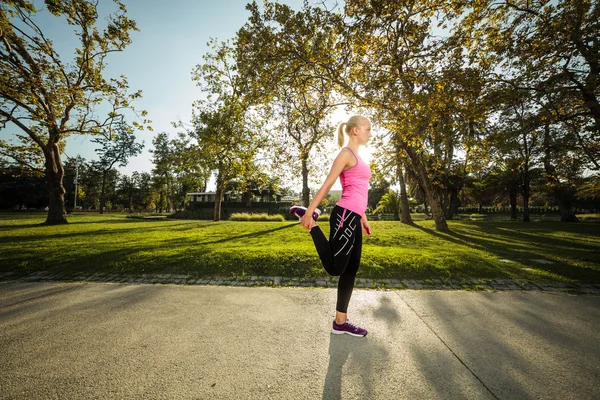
(340, 134)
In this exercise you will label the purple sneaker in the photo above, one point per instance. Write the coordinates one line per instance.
(299, 212)
(348, 328)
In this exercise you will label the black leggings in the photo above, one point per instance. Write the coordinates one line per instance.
(341, 254)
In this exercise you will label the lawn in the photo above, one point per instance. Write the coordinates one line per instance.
(535, 251)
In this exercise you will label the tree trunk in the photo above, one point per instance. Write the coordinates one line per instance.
(57, 214)
(512, 194)
(564, 203)
(436, 209)
(168, 195)
(526, 201)
(305, 189)
(453, 204)
(218, 200)
(406, 218)
(102, 191)
(526, 179)
(161, 200)
(221, 184)
(247, 199)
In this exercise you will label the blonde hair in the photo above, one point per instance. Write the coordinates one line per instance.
(354, 122)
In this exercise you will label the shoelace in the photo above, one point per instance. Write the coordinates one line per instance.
(351, 324)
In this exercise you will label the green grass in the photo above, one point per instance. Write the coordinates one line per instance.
(113, 243)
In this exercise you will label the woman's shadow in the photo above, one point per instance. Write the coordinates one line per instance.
(360, 356)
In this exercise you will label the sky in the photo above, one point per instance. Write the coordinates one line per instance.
(173, 37)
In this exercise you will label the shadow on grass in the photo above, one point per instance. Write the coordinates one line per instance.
(19, 226)
(524, 247)
(104, 221)
(184, 255)
(250, 235)
(101, 232)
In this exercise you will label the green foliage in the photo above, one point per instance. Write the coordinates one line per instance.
(272, 50)
(390, 202)
(505, 82)
(590, 189)
(228, 137)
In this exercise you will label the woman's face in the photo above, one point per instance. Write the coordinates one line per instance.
(364, 132)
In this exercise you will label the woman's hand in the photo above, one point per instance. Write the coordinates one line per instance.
(307, 221)
(366, 227)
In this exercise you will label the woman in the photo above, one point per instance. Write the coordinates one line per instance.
(341, 254)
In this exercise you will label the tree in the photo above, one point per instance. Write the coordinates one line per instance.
(294, 90)
(143, 195)
(422, 90)
(126, 190)
(89, 186)
(378, 185)
(48, 99)
(116, 148)
(549, 52)
(226, 128)
(226, 144)
(162, 173)
(540, 47)
(517, 134)
(390, 202)
(561, 171)
(72, 167)
(590, 189)
(189, 171)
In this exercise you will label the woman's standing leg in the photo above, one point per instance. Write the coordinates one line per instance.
(347, 278)
(341, 325)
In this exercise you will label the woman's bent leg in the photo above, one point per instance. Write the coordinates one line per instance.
(336, 253)
(323, 246)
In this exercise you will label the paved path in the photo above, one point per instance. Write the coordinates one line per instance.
(124, 341)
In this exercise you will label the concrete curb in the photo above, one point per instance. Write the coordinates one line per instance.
(318, 282)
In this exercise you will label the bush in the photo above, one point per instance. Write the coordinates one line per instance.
(324, 218)
(589, 217)
(477, 217)
(256, 217)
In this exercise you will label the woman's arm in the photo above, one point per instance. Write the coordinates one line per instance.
(344, 158)
(366, 227)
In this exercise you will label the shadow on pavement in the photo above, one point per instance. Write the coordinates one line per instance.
(365, 357)
(524, 348)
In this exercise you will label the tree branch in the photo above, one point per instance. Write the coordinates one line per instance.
(25, 129)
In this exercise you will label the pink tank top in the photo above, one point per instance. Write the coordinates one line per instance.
(355, 186)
